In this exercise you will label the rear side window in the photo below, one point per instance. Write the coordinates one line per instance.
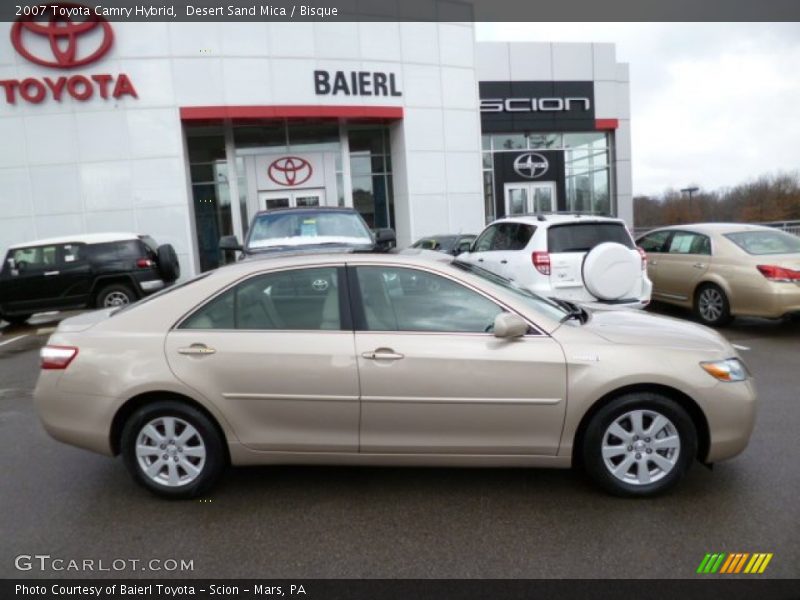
(582, 237)
(684, 242)
(765, 242)
(113, 251)
(512, 236)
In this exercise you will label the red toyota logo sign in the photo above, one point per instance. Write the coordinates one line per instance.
(290, 171)
(63, 34)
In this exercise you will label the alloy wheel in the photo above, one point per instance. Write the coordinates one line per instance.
(641, 447)
(710, 304)
(170, 451)
(116, 299)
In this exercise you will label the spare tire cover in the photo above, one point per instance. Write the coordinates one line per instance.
(168, 265)
(610, 270)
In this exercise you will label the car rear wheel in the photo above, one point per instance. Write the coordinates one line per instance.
(115, 295)
(711, 306)
(640, 444)
(172, 449)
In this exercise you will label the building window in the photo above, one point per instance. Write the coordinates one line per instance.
(587, 173)
(371, 174)
(210, 192)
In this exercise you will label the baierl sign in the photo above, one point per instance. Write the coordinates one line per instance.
(49, 37)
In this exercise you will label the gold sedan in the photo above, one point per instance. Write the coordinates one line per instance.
(721, 270)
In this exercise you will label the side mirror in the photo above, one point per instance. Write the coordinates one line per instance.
(509, 325)
(230, 242)
(385, 239)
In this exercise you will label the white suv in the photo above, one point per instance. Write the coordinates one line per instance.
(585, 259)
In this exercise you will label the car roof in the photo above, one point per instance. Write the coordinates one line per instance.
(709, 228)
(542, 219)
(84, 238)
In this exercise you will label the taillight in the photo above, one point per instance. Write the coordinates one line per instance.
(144, 263)
(774, 273)
(57, 357)
(541, 260)
(643, 254)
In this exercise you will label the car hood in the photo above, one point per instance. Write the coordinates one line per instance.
(638, 328)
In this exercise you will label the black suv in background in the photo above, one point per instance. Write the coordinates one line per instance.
(83, 271)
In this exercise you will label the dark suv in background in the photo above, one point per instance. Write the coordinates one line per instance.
(83, 271)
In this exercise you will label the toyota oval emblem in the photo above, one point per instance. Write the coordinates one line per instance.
(531, 165)
(290, 171)
(320, 285)
(63, 34)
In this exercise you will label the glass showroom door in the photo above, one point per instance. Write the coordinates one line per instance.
(523, 198)
(294, 198)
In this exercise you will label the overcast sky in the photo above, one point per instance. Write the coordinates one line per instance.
(712, 104)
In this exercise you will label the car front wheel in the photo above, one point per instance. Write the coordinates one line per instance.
(640, 444)
(172, 449)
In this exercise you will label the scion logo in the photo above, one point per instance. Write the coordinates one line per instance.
(63, 34)
(290, 171)
(531, 165)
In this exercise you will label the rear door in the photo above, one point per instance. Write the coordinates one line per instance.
(568, 244)
(276, 354)
(687, 258)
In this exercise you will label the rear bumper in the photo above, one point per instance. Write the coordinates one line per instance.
(152, 285)
(76, 419)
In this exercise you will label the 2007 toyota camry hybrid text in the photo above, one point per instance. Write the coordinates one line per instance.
(389, 360)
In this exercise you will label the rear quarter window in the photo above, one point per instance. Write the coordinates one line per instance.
(582, 237)
(114, 251)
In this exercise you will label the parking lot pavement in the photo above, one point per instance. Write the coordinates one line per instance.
(301, 522)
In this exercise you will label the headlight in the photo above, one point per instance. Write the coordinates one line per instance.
(730, 369)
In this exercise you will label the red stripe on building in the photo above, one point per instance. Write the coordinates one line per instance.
(606, 124)
(204, 113)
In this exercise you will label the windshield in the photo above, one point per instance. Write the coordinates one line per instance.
(308, 228)
(534, 301)
(765, 242)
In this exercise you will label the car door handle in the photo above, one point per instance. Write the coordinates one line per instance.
(196, 350)
(504, 262)
(699, 265)
(480, 260)
(654, 262)
(382, 354)
(51, 273)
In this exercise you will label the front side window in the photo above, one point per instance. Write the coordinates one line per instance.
(654, 242)
(486, 239)
(399, 299)
(33, 259)
(300, 299)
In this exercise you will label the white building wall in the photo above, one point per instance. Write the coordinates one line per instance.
(108, 165)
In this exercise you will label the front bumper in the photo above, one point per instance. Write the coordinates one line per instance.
(730, 409)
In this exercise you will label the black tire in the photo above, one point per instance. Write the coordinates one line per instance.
(116, 294)
(207, 434)
(710, 294)
(652, 403)
(168, 265)
(15, 319)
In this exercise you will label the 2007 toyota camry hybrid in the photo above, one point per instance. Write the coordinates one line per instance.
(389, 360)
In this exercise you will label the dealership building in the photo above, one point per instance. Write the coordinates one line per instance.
(184, 130)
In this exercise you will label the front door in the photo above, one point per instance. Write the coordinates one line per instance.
(435, 380)
(291, 198)
(527, 198)
(275, 354)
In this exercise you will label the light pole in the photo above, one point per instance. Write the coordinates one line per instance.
(690, 190)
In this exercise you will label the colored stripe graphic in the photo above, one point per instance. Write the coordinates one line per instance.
(734, 562)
